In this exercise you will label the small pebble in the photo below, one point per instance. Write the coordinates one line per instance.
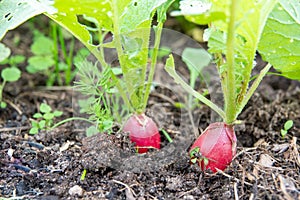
(76, 190)
(10, 152)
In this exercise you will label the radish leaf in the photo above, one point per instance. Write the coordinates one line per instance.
(4, 52)
(69, 11)
(138, 12)
(281, 47)
(15, 12)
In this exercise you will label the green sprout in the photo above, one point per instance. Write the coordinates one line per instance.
(287, 126)
(9, 74)
(44, 119)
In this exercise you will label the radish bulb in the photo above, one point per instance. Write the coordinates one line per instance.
(215, 147)
(143, 132)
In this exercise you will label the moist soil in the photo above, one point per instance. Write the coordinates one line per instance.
(65, 164)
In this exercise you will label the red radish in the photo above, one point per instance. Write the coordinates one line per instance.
(215, 147)
(143, 132)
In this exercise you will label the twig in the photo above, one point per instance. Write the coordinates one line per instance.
(238, 180)
(56, 88)
(164, 97)
(39, 94)
(243, 151)
(295, 151)
(187, 192)
(284, 189)
(21, 128)
(236, 195)
(127, 186)
(14, 106)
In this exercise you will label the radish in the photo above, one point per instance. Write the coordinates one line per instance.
(215, 147)
(143, 132)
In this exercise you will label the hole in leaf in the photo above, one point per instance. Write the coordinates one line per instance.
(91, 27)
(135, 3)
(7, 15)
(20, 3)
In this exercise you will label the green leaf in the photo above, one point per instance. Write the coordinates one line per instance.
(132, 46)
(48, 116)
(163, 10)
(196, 59)
(62, 66)
(34, 130)
(81, 55)
(204, 19)
(288, 125)
(3, 104)
(203, 11)
(92, 130)
(205, 161)
(280, 42)
(34, 124)
(39, 63)
(194, 151)
(42, 46)
(15, 12)
(37, 115)
(57, 113)
(162, 52)
(283, 132)
(42, 124)
(4, 52)
(17, 59)
(250, 21)
(11, 74)
(69, 10)
(137, 13)
(44, 108)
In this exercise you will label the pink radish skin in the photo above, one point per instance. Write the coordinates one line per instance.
(217, 146)
(143, 132)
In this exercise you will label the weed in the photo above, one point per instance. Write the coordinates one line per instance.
(44, 118)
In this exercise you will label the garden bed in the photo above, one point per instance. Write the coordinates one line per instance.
(51, 164)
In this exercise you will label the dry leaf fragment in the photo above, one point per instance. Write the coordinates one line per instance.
(266, 160)
(280, 148)
(66, 145)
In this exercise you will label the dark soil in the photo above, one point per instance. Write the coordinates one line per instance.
(50, 165)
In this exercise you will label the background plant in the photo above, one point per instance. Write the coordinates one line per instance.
(11, 73)
(44, 118)
(46, 57)
(286, 127)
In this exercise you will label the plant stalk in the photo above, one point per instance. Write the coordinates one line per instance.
(1, 90)
(253, 87)
(196, 94)
(68, 120)
(55, 54)
(158, 31)
(230, 101)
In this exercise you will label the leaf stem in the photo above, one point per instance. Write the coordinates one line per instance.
(55, 56)
(190, 90)
(70, 119)
(1, 90)
(158, 31)
(230, 101)
(253, 87)
(167, 135)
(99, 56)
